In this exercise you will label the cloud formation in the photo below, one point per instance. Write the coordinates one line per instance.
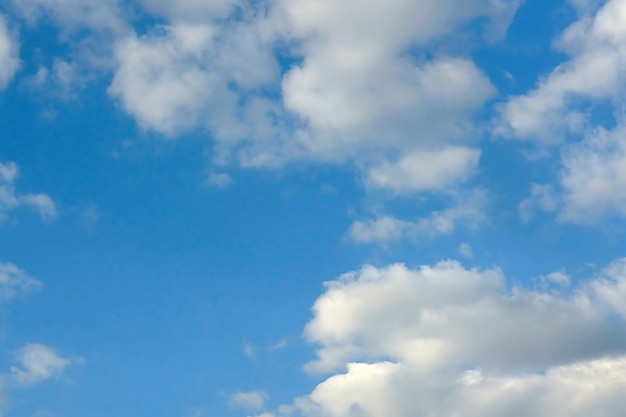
(445, 340)
(469, 210)
(11, 200)
(15, 282)
(594, 177)
(252, 401)
(595, 71)
(354, 88)
(37, 363)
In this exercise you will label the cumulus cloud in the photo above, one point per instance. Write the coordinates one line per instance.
(425, 170)
(360, 85)
(595, 71)
(594, 177)
(445, 340)
(358, 90)
(11, 200)
(353, 90)
(38, 363)
(14, 282)
(469, 211)
(9, 54)
(178, 78)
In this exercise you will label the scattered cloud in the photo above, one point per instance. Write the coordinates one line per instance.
(594, 177)
(353, 92)
(177, 78)
(469, 210)
(15, 282)
(253, 401)
(466, 250)
(595, 71)
(280, 345)
(10, 200)
(38, 363)
(425, 170)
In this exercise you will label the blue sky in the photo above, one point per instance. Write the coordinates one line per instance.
(215, 208)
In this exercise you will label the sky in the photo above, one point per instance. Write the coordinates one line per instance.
(297, 208)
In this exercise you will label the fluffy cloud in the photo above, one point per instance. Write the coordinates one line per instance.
(10, 200)
(445, 340)
(360, 83)
(37, 363)
(469, 210)
(425, 170)
(363, 85)
(178, 79)
(595, 71)
(14, 281)
(594, 177)
(9, 54)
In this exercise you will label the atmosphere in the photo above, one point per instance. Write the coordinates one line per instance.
(312, 208)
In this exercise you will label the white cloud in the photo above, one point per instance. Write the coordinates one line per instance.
(595, 71)
(361, 106)
(10, 200)
(594, 177)
(465, 249)
(445, 315)
(38, 363)
(425, 170)
(354, 92)
(360, 86)
(445, 340)
(252, 401)
(559, 278)
(381, 229)
(542, 197)
(14, 282)
(387, 389)
(179, 79)
(9, 54)
(469, 210)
